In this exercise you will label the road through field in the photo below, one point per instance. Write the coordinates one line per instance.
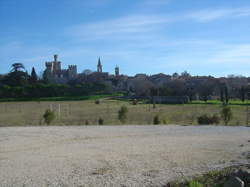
(116, 155)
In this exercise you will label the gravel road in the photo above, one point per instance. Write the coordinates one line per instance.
(116, 155)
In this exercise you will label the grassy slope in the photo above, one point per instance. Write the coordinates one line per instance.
(78, 112)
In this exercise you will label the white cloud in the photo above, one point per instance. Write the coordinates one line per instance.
(143, 25)
(237, 54)
(129, 25)
(214, 14)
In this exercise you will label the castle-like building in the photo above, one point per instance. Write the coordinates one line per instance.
(55, 74)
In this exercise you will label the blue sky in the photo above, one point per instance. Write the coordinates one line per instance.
(204, 37)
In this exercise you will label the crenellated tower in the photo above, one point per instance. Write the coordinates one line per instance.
(56, 67)
(72, 71)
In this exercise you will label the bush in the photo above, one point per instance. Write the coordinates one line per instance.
(100, 121)
(216, 119)
(156, 120)
(166, 121)
(194, 184)
(207, 120)
(97, 102)
(86, 122)
(135, 102)
(122, 114)
(49, 116)
(226, 114)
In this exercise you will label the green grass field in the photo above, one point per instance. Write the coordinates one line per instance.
(78, 112)
(65, 98)
(217, 102)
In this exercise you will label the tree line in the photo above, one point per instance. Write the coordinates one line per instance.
(18, 83)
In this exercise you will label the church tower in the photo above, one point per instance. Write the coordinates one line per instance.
(99, 66)
(117, 74)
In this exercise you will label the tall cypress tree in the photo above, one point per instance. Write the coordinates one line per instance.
(242, 93)
(226, 94)
(33, 77)
(222, 94)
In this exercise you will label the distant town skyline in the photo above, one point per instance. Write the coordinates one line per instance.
(207, 37)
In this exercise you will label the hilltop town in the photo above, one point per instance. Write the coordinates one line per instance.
(195, 87)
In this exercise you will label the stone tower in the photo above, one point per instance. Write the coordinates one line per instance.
(56, 67)
(72, 71)
(55, 58)
(117, 74)
(99, 66)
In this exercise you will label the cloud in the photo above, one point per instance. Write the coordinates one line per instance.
(207, 15)
(155, 2)
(143, 25)
(128, 25)
(234, 54)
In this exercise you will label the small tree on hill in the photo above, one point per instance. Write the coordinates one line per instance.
(49, 116)
(122, 114)
(226, 114)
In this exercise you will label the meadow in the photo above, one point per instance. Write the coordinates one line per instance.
(87, 112)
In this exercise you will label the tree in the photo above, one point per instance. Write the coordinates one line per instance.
(156, 120)
(185, 74)
(226, 94)
(222, 95)
(17, 67)
(87, 72)
(206, 89)
(16, 78)
(122, 114)
(242, 93)
(100, 121)
(33, 77)
(226, 114)
(49, 116)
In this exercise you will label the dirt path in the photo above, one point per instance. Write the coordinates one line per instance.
(115, 155)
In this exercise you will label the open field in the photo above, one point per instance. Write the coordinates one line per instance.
(78, 112)
(116, 155)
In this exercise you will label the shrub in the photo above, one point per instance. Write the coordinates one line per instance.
(100, 121)
(97, 101)
(156, 120)
(135, 102)
(86, 122)
(207, 120)
(194, 184)
(122, 114)
(226, 114)
(166, 121)
(49, 116)
(215, 119)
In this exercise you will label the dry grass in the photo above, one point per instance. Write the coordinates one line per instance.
(78, 112)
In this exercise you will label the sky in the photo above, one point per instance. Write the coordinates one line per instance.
(203, 37)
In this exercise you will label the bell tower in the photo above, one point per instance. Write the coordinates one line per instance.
(99, 66)
(117, 74)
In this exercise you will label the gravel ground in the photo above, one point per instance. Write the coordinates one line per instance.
(116, 155)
